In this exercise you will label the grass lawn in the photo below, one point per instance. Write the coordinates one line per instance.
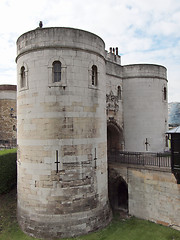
(8, 170)
(130, 229)
(7, 151)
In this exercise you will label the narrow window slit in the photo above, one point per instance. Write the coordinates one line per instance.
(56, 71)
(57, 162)
(94, 75)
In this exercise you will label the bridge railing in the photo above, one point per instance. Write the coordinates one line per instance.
(141, 158)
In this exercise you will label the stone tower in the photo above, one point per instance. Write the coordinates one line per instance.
(62, 139)
(145, 104)
(8, 116)
(137, 107)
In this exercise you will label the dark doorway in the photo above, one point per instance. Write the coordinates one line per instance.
(122, 195)
(118, 192)
(114, 138)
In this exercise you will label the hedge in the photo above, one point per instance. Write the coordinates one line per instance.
(8, 170)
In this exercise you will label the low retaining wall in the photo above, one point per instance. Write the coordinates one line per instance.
(153, 194)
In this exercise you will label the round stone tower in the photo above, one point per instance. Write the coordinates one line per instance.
(61, 108)
(145, 107)
(8, 116)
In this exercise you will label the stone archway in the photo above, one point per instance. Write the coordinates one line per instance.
(114, 137)
(118, 192)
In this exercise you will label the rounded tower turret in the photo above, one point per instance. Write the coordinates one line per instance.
(145, 107)
(62, 162)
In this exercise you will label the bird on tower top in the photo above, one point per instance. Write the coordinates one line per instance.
(40, 24)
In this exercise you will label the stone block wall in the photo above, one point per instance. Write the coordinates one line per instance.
(145, 107)
(62, 160)
(153, 193)
(62, 129)
(8, 120)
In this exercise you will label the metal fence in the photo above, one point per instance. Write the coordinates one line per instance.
(141, 158)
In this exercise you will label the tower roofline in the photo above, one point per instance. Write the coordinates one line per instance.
(67, 28)
(6, 87)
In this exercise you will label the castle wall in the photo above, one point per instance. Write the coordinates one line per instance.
(61, 122)
(145, 107)
(114, 103)
(63, 126)
(153, 193)
(8, 116)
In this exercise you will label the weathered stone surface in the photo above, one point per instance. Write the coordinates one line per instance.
(153, 194)
(61, 226)
(8, 121)
(65, 129)
(62, 162)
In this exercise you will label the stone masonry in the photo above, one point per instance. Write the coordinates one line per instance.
(8, 116)
(75, 102)
(62, 160)
(153, 193)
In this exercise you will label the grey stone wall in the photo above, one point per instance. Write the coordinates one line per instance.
(145, 109)
(153, 193)
(66, 122)
(8, 120)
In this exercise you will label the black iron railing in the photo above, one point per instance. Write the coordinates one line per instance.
(141, 158)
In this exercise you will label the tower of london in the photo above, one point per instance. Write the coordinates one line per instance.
(76, 103)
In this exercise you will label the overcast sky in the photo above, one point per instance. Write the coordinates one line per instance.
(145, 31)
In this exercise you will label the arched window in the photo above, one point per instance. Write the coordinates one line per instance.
(56, 71)
(165, 93)
(23, 77)
(119, 93)
(94, 75)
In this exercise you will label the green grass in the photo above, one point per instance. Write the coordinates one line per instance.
(130, 229)
(8, 170)
(133, 229)
(7, 151)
